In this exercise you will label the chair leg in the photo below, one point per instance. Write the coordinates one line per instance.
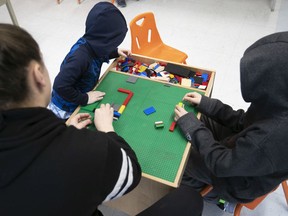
(273, 3)
(238, 209)
(206, 190)
(285, 189)
(11, 12)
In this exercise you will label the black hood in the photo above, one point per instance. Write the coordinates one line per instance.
(106, 28)
(264, 75)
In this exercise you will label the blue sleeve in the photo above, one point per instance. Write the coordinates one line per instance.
(114, 54)
(70, 73)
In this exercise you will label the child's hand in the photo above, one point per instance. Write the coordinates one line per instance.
(94, 96)
(103, 118)
(193, 97)
(179, 112)
(124, 52)
(81, 120)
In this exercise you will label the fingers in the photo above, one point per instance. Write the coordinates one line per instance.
(84, 123)
(124, 52)
(189, 95)
(179, 112)
(94, 96)
(82, 116)
(193, 97)
(128, 52)
(99, 93)
(103, 118)
(81, 120)
(98, 99)
(106, 106)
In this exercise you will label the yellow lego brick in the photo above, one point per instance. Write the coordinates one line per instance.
(142, 68)
(121, 109)
(181, 104)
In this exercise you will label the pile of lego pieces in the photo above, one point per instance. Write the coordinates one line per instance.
(165, 72)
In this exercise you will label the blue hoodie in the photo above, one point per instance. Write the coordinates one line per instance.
(79, 72)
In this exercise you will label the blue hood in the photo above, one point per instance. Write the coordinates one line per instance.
(106, 28)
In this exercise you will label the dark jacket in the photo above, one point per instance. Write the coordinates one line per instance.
(47, 168)
(80, 70)
(254, 160)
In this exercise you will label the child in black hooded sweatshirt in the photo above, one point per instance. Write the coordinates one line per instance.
(80, 70)
(242, 154)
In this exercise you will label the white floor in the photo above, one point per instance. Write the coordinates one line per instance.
(214, 34)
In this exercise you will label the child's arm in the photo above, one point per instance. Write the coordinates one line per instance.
(120, 52)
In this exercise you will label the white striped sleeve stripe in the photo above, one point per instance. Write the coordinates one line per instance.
(125, 172)
(129, 182)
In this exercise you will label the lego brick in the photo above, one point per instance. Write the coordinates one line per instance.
(122, 108)
(198, 80)
(116, 115)
(172, 126)
(132, 79)
(186, 82)
(203, 87)
(179, 70)
(149, 110)
(205, 77)
(142, 68)
(159, 124)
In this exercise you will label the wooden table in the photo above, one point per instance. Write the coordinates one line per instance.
(162, 154)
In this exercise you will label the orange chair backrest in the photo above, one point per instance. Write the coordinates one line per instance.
(144, 33)
(252, 205)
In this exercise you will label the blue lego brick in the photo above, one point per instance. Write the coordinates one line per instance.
(205, 77)
(116, 114)
(149, 110)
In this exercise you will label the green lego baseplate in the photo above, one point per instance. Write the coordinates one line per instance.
(159, 151)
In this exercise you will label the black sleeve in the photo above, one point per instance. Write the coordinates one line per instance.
(222, 113)
(128, 175)
(223, 161)
(107, 165)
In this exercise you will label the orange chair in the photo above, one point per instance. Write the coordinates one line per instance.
(146, 40)
(251, 205)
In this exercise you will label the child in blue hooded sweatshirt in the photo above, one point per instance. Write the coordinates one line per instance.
(106, 28)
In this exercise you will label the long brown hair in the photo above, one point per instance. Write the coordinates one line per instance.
(17, 50)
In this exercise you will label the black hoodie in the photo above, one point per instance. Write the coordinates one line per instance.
(256, 161)
(49, 169)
